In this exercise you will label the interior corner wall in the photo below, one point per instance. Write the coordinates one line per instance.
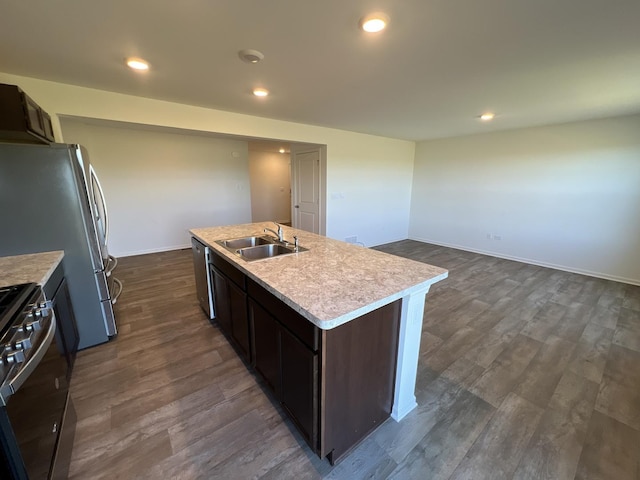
(368, 177)
(158, 185)
(565, 196)
(270, 176)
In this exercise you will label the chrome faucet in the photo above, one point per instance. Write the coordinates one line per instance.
(279, 234)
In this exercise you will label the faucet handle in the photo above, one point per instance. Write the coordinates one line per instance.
(280, 232)
(295, 242)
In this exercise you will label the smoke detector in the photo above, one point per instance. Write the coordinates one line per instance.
(250, 56)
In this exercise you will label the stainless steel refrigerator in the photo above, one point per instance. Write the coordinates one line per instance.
(51, 199)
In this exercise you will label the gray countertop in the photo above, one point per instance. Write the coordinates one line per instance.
(334, 281)
(31, 267)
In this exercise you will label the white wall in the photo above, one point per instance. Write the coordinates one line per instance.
(566, 196)
(270, 176)
(159, 185)
(372, 204)
(370, 192)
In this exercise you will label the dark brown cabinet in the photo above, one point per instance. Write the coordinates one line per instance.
(266, 345)
(336, 385)
(221, 302)
(239, 318)
(67, 337)
(299, 378)
(290, 369)
(67, 328)
(230, 303)
(21, 119)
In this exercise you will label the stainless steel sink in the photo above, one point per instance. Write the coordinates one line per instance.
(258, 248)
(264, 251)
(244, 242)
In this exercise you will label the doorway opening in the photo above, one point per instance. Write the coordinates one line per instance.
(270, 181)
(288, 184)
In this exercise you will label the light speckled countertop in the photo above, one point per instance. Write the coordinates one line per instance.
(31, 267)
(334, 281)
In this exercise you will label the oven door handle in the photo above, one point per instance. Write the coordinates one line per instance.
(10, 387)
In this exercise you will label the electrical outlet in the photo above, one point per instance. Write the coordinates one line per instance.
(488, 236)
(497, 237)
(353, 239)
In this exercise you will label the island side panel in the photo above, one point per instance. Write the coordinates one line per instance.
(411, 319)
(358, 375)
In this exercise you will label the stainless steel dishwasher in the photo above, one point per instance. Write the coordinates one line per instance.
(204, 286)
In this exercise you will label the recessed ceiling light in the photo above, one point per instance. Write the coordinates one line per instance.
(282, 150)
(250, 56)
(376, 22)
(260, 92)
(137, 64)
(485, 117)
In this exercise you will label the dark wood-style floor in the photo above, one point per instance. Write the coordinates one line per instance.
(525, 372)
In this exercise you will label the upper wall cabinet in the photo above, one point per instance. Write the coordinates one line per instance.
(21, 119)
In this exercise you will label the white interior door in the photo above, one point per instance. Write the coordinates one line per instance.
(306, 182)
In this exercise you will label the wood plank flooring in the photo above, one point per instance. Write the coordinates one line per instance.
(525, 373)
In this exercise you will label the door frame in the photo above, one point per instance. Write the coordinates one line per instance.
(300, 148)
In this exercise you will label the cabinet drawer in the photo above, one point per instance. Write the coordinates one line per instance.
(229, 270)
(302, 328)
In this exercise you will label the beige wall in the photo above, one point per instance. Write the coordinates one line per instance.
(566, 196)
(370, 176)
(158, 185)
(270, 176)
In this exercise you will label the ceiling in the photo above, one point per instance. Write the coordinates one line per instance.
(438, 66)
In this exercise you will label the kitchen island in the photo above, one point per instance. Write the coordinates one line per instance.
(334, 331)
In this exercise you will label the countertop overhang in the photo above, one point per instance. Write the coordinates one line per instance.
(31, 267)
(332, 283)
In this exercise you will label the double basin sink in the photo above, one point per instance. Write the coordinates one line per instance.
(258, 248)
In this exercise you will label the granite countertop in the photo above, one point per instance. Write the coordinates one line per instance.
(334, 281)
(32, 267)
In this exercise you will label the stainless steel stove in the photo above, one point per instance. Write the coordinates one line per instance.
(37, 421)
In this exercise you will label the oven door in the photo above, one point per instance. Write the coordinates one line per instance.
(41, 416)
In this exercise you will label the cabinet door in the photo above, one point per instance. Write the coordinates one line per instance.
(239, 318)
(299, 367)
(266, 346)
(34, 117)
(221, 295)
(67, 332)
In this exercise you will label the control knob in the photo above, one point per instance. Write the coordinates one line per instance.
(13, 357)
(33, 325)
(22, 344)
(42, 311)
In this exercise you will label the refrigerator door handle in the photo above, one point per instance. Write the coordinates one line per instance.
(83, 179)
(94, 177)
(111, 266)
(114, 299)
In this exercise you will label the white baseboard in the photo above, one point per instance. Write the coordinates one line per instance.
(388, 241)
(563, 268)
(151, 250)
